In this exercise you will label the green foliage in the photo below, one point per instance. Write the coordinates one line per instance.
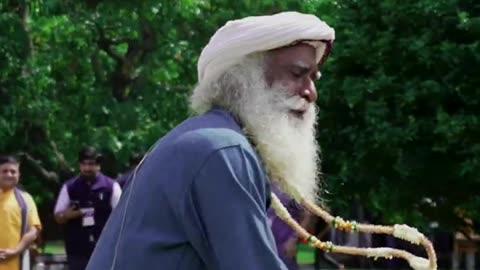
(400, 109)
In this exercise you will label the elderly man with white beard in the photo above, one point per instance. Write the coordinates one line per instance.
(199, 199)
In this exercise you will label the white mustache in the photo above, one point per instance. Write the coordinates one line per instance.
(296, 104)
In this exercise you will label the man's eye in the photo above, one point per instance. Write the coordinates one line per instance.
(296, 74)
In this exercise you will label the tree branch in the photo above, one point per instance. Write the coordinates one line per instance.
(60, 157)
(96, 66)
(127, 66)
(39, 169)
(119, 41)
(25, 15)
(37, 134)
(105, 43)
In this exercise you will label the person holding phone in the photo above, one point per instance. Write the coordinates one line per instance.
(84, 206)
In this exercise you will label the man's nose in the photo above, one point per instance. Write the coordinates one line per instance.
(309, 91)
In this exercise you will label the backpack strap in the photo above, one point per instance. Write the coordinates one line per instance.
(24, 210)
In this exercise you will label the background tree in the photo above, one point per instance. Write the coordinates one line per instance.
(399, 119)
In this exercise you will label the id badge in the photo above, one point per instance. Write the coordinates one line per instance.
(88, 217)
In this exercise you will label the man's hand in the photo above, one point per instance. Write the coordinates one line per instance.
(71, 213)
(290, 248)
(68, 214)
(7, 254)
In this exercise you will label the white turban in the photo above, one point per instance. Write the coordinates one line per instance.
(239, 38)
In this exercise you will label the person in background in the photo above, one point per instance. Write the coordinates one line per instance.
(135, 159)
(19, 220)
(84, 206)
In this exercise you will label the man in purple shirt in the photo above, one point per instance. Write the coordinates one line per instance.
(83, 207)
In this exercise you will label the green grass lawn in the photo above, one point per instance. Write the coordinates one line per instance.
(305, 254)
(54, 247)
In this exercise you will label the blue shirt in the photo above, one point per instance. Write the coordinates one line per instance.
(199, 201)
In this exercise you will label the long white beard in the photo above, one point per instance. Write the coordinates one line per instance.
(286, 144)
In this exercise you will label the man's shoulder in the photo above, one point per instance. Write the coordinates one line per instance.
(70, 181)
(25, 194)
(211, 140)
(27, 197)
(193, 142)
(109, 179)
(188, 151)
(217, 126)
(105, 181)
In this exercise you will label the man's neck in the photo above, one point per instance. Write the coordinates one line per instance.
(90, 180)
(4, 191)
